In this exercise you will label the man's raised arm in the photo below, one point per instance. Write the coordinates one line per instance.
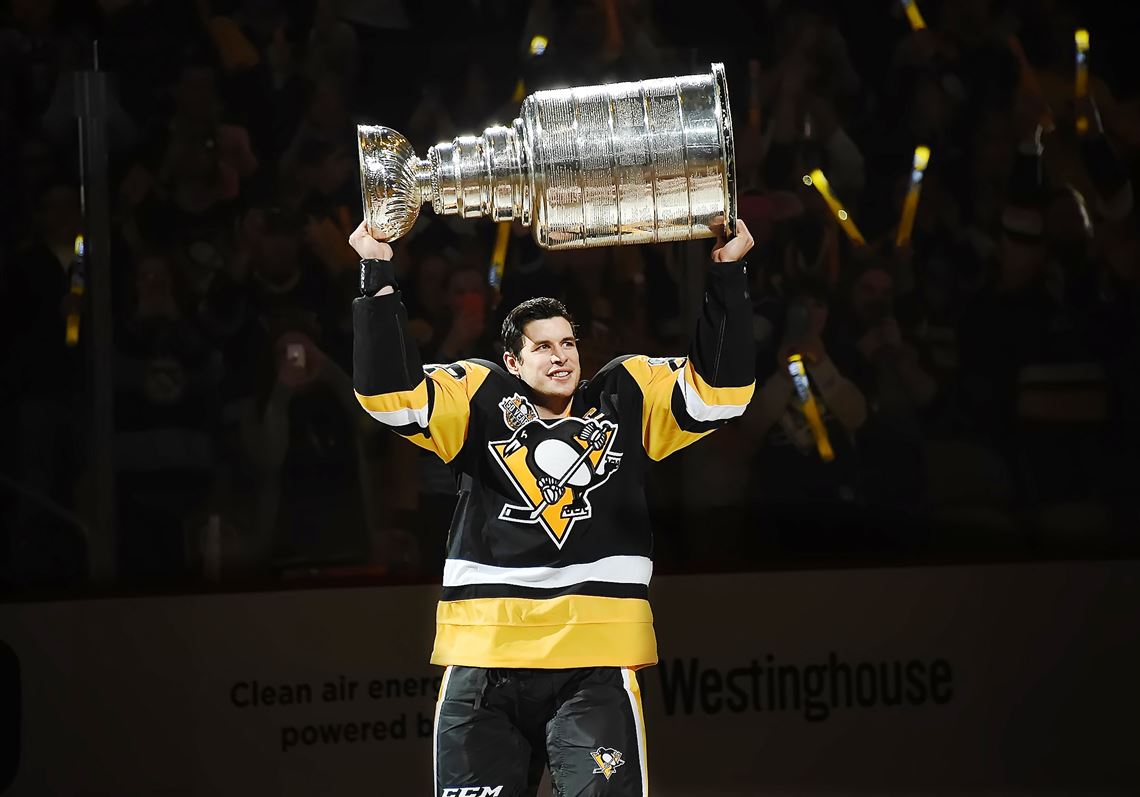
(686, 398)
(431, 407)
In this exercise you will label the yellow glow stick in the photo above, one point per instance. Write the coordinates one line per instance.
(71, 337)
(817, 179)
(913, 14)
(810, 408)
(538, 45)
(1082, 39)
(910, 205)
(499, 254)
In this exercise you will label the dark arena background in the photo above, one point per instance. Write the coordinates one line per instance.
(217, 573)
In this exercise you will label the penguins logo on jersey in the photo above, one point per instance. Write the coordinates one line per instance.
(555, 467)
(607, 759)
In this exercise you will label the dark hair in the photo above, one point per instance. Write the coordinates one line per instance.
(537, 309)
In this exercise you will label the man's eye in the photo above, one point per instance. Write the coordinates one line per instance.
(570, 344)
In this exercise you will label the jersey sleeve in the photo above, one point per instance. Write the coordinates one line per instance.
(686, 398)
(429, 405)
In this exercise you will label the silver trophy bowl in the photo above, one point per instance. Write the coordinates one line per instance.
(622, 163)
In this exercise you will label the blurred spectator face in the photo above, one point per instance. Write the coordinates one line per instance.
(279, 250)
(807, 317)
(465, 289)
(336, 169)
(275, 238)
(1021, 262)
(193, 158)
(431, 278)
(326, 108)
(154, 289)
(873, 296)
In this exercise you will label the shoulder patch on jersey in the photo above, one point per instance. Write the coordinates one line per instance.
(517, 411)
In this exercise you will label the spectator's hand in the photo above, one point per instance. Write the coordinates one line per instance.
(368, 247)
(727, 251)
(886, 335)
(811, 349)
(299, 361)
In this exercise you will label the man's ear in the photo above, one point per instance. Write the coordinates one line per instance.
(511, 362)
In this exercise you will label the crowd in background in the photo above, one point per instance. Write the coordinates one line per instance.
(978, 385)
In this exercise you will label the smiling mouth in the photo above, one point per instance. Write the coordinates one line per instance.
(561, 374)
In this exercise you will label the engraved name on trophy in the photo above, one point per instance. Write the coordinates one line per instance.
(623, 163)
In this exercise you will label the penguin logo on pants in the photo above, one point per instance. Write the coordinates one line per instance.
(554, 467)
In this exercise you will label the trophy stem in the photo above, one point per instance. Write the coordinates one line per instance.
(485, 175)
(423, 172)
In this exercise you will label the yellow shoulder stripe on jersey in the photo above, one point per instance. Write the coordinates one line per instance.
(570, 631)
(398, 409)
(660, 433)
(450, 411)
(718, 396)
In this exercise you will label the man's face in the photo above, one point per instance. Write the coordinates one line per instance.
(548, 361)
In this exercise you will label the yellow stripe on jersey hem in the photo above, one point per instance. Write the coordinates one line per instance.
(566, 610)
(571, 631)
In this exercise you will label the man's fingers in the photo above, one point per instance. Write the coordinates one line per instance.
(368, 247)
(737, 248)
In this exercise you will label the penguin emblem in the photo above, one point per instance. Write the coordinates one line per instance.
(554, 468)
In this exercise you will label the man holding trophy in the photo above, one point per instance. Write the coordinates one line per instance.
(544, 616)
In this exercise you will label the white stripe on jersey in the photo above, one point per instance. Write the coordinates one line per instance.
(613, 569)
(403, 417)
(698, 410)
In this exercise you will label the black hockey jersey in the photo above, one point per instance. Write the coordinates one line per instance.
(549, 555)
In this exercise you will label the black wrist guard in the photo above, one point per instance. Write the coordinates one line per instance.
(376, 274)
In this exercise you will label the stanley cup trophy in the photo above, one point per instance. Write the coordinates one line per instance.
(624, 163)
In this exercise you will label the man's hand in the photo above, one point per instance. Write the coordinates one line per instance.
(368, 247)
(727, 251)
